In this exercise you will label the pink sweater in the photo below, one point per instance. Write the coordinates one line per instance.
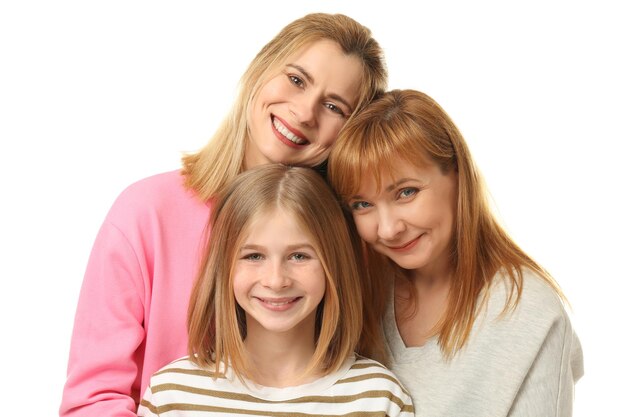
(131, 315)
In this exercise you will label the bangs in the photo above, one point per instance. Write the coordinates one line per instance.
(373, 150)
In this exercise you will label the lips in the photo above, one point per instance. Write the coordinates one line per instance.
(288, 134)
(278, 304)
(405, 246)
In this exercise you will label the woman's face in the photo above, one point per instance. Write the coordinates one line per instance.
(411, 218)
(296, 116)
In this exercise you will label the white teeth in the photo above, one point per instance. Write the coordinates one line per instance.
(277, 303)
(287, 133)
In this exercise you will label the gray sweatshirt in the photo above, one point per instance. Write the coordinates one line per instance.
(522, 364)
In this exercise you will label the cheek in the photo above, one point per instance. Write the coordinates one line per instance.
(241, 283)
(451, 224)
(366, 227)
(329, 129)
(445, 216)
(273, 90)
(427, 212)
(265, 96)
(310, 275)
(320, 286)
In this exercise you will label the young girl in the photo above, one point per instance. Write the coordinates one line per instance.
(295, 96)
(475, 326)
(276, 311)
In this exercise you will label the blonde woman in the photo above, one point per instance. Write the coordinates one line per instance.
(276, 311)
(474, 326)
(295, 96)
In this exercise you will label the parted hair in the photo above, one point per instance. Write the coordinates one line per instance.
(215, 165)
(216, 324)
(409, 125)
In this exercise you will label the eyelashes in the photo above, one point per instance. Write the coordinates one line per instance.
(296, 256)
(406, 193)
(299, 82)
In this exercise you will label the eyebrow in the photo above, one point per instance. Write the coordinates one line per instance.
(389, 188)
(295, 246)
(311, 80)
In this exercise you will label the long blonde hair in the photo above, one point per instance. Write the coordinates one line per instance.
(216, 324)
(208, 170)
(409, 125)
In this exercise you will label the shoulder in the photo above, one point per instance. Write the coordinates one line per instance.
(538, 325)
(365, 365)
(538, 298)
(178, 365)
(365, 369)
(539, 313)
(177, 371)
(153, 190)
(157, 195)
(537, 292)
(167, 179)
(374, 379)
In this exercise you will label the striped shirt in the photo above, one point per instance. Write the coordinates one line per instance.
(361, 387)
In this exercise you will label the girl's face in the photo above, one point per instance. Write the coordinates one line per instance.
(411, 219)
(278, 279)
(296, 116)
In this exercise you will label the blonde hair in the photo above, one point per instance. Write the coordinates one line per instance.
(409, 125)
(213, 167)
(216, 324)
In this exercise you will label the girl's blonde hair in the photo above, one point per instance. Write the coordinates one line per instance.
(216, 324)
(210, 169)
(409, 125)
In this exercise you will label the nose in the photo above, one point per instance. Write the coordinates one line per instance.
(304, 107)
(390, 225)
(276, 277)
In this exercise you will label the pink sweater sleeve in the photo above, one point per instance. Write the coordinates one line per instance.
(132, 310)
(103, 371)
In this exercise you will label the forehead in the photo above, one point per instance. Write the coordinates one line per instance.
(272, 221)
(387, 176)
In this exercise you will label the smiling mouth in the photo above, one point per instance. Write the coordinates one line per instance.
(405, 247)
(277, 302)
(286, 133)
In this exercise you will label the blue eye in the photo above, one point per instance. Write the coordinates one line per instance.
(407, 192)
(253, 257)
(360, 205)
(299, 256)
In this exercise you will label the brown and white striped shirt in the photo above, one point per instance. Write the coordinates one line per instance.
(362, 387)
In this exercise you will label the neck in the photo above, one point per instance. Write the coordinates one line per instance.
(431, 279)
(279, 359)
(420, 303)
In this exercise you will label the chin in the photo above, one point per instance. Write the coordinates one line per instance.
(408, 263)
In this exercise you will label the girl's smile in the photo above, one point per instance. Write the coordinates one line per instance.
(278, 304)
(278, 279)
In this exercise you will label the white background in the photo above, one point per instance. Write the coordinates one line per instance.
(96, 95)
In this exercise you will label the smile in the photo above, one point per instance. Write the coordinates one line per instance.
(406, 246)
(278, 304)
(287, 133)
